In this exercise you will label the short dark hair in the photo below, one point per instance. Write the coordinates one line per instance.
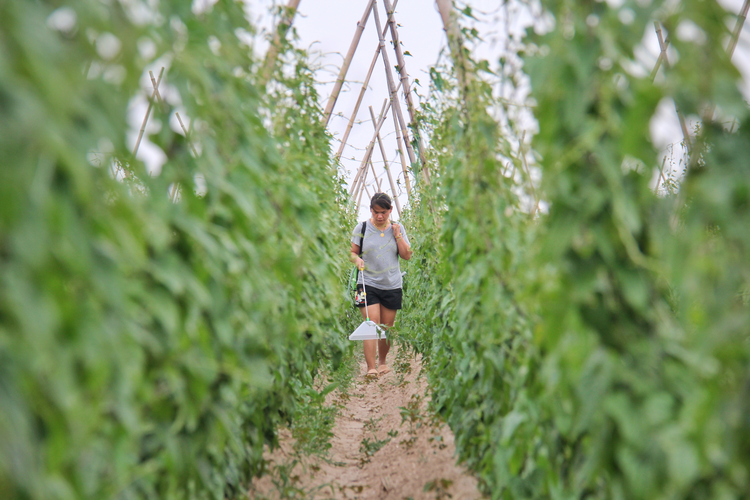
(381, 200)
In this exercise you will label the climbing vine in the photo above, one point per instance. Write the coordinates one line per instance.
(149, 349)
(156, 329)
(600, 351)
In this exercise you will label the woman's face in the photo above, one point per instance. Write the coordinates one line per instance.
(380, 215)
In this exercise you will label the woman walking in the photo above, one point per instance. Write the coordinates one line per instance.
(376, 252)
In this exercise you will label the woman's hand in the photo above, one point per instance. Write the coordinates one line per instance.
(359, 263)
(404, 251)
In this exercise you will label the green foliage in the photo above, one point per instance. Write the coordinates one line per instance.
(149, 349)
(602, 351)
(465, 276)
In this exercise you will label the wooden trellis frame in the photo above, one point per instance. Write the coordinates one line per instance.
(385, 165)
(347, 61)
(148, 112)
(368, 152)
(391, 22)
(403, 142)
(402, 127)
(362, 91)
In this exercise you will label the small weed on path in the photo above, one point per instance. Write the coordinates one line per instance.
(440, 488)
(370, 446)
(385, 444)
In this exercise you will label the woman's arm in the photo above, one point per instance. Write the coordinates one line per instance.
(354, 257)
(404, 250)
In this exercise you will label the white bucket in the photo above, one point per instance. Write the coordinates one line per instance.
(368, 330)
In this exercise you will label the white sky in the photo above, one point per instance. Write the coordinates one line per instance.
(326, 28)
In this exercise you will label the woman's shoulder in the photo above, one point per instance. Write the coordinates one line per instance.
(358, 226)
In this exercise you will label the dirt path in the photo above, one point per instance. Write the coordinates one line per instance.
(385, 446)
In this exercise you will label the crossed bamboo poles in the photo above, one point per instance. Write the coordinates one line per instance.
(404, 142)
(174, 189)
(663, 61)
(392, 103)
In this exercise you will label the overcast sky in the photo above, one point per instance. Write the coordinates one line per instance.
(326, 27)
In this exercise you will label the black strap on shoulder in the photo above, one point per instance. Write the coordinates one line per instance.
(361, 242)
(362, 238)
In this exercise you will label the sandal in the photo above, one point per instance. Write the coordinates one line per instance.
(383, 369)
(371, 373)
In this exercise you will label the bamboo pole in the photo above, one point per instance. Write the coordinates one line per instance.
(347, 62)
(355, 181)
(359, 100)
(405, 86)
(368, 153)
(351, 122)
(401, 151)
(661, 176)
(665, 61)
(357, 105)
(156, 88)
(522, 153)
(392, 89)
(177, 113)
(385, 164)
(361, 190)
(445, 7)
(174, 192)
(738, 28)
(355, 192)
(175, 188)
(148, 112)
(370, 146)
(659, 61)
(360, 177)
(179, 119)
(281, 30)
(363, 177)
(372, 167)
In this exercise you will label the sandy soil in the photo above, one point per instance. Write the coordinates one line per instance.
(386, 445)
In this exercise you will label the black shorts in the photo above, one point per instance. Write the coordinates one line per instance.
(390, 299)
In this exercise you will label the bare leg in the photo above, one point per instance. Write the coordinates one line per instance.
(370, 346)
(387, 318)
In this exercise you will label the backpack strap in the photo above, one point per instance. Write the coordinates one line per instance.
(362, 239)
(361, 242)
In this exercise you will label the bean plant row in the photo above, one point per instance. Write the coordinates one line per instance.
(601, 349)
(157, 327)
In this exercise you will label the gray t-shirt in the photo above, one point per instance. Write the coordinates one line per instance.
(380, 255)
